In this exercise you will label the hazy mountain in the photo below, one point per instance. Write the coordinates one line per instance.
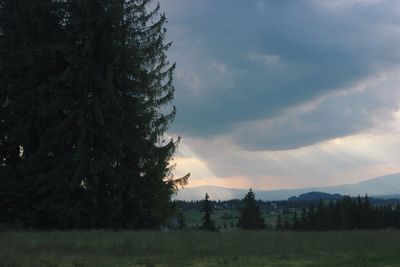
(380, 186)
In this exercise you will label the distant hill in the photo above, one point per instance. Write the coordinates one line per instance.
(381, 186)
(314, 196)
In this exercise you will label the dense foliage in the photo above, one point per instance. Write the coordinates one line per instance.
(85, 93)
(250, 214)
(344, 214)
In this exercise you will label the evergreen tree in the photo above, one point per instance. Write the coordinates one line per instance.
(311, 218)
(302, 223)
(279, 225)
(250, 214)
(296, 225)
(207, 223)
(181, 221)
(83, 89)
(33, 56)
(321, 216)
(225, 218)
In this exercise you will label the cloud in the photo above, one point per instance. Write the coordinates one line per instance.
(274, 94)
(368, 106)
(241, 63)
(340, 4)
(344, 160)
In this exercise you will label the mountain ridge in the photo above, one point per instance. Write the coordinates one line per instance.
(379, 186)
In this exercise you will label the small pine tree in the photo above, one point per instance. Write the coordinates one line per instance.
(300, 224)
(207, 223)
(296, 224)
(181, 221)
(286, 225)
(279, 225)
(250, 214)
(225, 218)
(321, 221)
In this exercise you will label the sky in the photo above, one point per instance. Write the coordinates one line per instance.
(285, 93)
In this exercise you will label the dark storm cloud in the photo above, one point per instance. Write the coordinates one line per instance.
(241, 61)
(332, 117)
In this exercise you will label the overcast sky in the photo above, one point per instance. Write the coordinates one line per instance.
(285, 93)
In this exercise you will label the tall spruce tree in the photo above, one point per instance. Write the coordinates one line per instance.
(84, 86)
(250, 214)
(32, 59)
(207, 223)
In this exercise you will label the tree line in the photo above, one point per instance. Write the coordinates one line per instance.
(345, 214)
(273, 206)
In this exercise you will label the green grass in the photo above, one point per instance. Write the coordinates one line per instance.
(191, 248)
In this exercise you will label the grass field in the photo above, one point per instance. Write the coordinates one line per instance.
(191, 248)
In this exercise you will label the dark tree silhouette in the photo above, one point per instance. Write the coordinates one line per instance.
(279, 224)
(250, 214)
(85, 92)
(181, 221)
(207, 223)
(347, 214)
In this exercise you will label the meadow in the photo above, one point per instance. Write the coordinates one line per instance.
(195, 248)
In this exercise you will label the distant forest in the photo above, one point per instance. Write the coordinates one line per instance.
(344, 213)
